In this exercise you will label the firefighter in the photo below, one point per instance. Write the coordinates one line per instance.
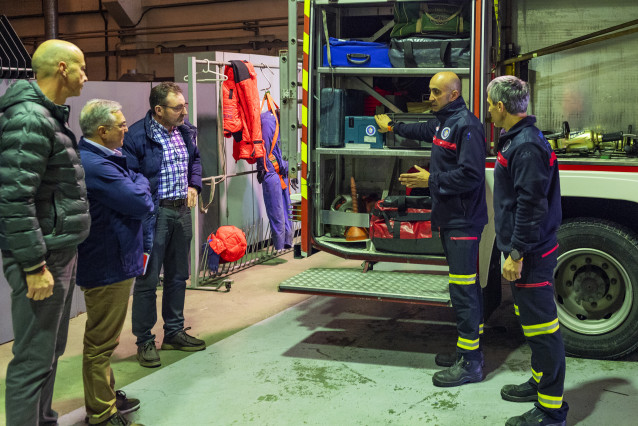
(456, 180)
(527, 213)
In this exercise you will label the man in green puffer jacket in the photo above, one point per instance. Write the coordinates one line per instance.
(43, 217)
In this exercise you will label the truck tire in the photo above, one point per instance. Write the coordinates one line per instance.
(596, 288)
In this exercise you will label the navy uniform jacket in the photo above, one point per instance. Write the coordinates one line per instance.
(527, 209)
(457, 165)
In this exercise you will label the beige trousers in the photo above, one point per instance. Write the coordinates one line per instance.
(106, 310)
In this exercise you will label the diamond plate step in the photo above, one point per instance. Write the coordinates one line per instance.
(412, 286)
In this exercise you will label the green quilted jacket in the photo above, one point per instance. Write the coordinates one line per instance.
(43, 203)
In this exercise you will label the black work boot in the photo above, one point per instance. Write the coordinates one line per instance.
(464, 371)
(538, 417)
(448, 359)
(525, 392)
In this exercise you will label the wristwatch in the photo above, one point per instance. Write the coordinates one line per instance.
(516, 255)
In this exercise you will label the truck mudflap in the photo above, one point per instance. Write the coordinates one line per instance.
(413, 287)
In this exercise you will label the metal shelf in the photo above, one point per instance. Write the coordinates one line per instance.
(419, 72)
(385, 152)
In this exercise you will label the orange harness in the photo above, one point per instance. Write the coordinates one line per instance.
(273, 107)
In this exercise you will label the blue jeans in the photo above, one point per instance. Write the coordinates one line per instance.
(40, 329)
(171, 247)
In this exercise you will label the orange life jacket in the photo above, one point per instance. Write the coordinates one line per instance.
(241, 110)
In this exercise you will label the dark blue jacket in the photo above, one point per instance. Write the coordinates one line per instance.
(527, 209)
(457, 165)
(119, 200)
(144, 155)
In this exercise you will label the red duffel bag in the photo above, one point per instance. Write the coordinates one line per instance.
(401, 224)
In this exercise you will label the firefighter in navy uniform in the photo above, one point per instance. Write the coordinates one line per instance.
(457, 186)
(527, 215)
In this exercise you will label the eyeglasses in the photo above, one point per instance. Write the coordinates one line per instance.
(178, 108)
(122, 125)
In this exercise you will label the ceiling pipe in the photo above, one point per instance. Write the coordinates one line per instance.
(106, 40)
(125, 32)
(50, 11)
(274, 44)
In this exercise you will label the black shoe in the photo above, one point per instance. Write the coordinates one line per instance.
(183, 342)
(524, 392)
(123, 404)
(534, 417)
(117, 419)
(147, 355)
(464, 371)
(450, 358)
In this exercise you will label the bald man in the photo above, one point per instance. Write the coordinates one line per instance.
(456, 181)
(44, 215)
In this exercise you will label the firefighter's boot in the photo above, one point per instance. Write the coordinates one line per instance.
(538, 417)
(463, 371)
(524, 392)
(448, 359)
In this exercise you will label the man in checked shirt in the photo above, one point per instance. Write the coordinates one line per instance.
(162, 147)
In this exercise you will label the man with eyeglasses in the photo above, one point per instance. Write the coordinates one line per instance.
(111, 257)
(162, 146)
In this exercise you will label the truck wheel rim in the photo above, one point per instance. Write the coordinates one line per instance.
(592, 290)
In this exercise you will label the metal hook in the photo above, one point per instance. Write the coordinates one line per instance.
(266, 77)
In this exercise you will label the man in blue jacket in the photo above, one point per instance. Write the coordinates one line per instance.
(111, 257)
(161, 146)
(456, 179)
(527, 214)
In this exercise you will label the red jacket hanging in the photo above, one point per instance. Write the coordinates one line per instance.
(242, 111)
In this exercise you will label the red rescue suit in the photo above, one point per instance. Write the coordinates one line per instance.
(242, 110)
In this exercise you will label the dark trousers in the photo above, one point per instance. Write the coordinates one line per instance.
(461, 250)
(171, 247)
(40, 329)
(534, 303)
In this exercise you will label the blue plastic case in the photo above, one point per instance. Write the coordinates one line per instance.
(361, 54)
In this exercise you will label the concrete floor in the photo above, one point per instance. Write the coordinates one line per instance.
(286, 359)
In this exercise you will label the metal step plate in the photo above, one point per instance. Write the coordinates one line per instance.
(407, 286)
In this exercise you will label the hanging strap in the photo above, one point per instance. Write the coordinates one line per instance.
(273, 107)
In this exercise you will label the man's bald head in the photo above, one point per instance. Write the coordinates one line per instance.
(49, 54)
(449, 79)
(445, 87)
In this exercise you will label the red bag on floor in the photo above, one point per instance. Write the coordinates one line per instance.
(401, 224)
(229, 243)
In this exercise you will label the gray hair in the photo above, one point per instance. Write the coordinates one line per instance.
(96, 113)
(512, 91)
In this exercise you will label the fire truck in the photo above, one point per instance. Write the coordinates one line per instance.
(596, 279)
